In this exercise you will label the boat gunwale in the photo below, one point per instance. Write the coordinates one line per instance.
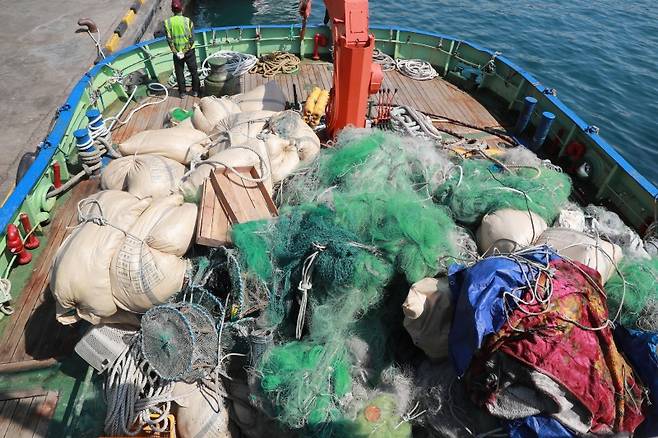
(66, 112)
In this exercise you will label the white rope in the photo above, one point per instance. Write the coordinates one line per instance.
(304, 286)
(133, 394)
(416, 69)
(387, 62)
(237, 64)
(115, 119)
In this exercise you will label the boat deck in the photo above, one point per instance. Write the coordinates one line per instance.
(33, 338)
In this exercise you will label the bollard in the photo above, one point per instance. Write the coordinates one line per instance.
(547, 119)
(529, 104)
(31, 242)
(16, 247)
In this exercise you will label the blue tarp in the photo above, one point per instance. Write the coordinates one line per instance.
(641, 350)
(477, 294)
(537, 427)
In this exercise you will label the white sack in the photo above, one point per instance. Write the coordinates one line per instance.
(143, 175)
(199, 413)
(180, 144)
(289, 125)
(211, 110)
(600, 255)
(428, 316)
(246, 154)
(508, 230)
(80, 274)
(142, 276)
(268, 97)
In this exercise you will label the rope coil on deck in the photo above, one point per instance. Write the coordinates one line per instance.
(276, 63)
(416, 69)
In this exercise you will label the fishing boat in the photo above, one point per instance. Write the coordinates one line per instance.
(478, 96)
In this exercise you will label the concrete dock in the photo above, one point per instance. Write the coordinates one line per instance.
(43, 57)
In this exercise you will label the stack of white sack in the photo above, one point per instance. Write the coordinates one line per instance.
(125, 254)
(289, 125)
(507, 230)
(268, 97)
(181, 143)
(275, 152)
(143, 175)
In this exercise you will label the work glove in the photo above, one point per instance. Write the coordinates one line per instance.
(180, 55)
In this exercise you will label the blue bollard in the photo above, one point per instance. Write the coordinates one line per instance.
(529, 104)
(83, 140)
(547, 119)
(95, 121)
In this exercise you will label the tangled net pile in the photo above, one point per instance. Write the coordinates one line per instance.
(635, 287)
(476, 187)
(360, 216)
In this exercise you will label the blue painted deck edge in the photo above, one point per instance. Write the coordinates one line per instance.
(55, 136)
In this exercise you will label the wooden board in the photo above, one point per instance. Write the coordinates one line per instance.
(26, 414)
(33, 333)
(228, 198)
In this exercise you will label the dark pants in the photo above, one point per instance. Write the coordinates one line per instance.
(179, 68)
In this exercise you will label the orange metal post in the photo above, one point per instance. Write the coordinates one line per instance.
(355, 75)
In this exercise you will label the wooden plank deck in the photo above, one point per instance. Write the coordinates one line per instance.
(26, 414)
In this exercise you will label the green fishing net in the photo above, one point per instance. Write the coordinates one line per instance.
(477, 187)
(640, 296)
(366, 161)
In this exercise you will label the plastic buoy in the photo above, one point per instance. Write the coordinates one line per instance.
(31, 242)
(15, 245)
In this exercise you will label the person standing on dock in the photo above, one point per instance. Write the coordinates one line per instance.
(180, 36)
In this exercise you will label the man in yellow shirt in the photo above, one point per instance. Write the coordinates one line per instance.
(180, 36)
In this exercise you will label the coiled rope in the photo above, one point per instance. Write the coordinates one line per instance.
(387, 62)
(237, 64)
(134, 393)
(416, 69)
(275, 63)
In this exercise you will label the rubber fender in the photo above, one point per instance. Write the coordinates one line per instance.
(321, 104)
(26, 161)
(136, 5)
(121, 28)
(309, 105)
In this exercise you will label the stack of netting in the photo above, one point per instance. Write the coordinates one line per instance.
(477, 187)
(635, 285)
(360, 216)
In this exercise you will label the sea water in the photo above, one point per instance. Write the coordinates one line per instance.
(601, 56)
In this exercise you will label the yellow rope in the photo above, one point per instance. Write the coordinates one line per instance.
(275, 63)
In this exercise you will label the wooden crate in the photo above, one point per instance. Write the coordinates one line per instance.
(228, 199)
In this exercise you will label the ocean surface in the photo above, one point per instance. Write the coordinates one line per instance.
(601, 56)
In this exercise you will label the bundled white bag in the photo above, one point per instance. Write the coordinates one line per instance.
(143, 276)
(597, 254)
(268, 97)
(143, 175)
(289, 125)
(80, 274)
(284, 163)
(428, 316)
(251, 153)
(179, 143)
(508, 230)
(200, 413)
(211, 110)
